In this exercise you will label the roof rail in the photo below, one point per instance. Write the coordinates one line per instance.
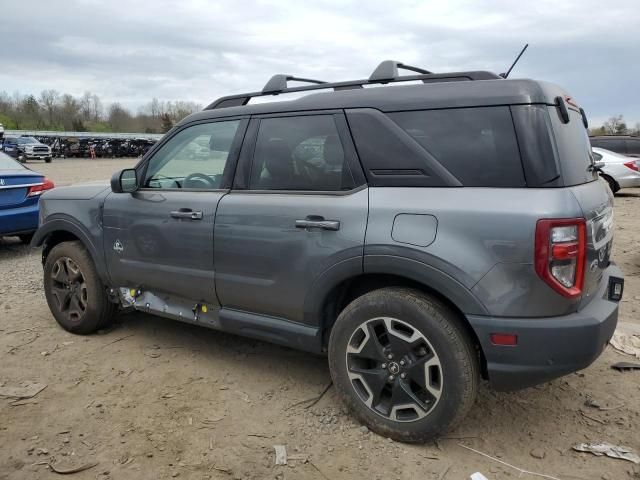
(386, 72)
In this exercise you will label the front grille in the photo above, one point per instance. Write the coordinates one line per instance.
(40, 149)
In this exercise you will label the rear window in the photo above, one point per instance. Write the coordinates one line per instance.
(477, 145)
(574, 149)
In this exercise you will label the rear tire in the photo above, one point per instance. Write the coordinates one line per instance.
(403, 363)
(76, 296)
(613, 185)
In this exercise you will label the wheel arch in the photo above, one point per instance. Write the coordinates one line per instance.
(343, 285)
(58, 230)
(611, 181)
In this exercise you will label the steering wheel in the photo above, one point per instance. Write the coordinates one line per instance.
(198, 177)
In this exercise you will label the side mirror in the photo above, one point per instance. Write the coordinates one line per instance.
(125, 181)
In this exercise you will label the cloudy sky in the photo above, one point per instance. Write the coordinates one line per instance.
(130, 51)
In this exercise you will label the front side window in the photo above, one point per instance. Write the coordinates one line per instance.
(300, 153)
(194, 158)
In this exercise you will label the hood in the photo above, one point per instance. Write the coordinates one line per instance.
(84, 191)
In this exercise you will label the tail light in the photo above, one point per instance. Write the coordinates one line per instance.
(632, 165)
(37, 190)
(560, 253)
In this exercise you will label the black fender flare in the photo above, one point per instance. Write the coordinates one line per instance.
(429, 276)
(425, 274)
(64, 223)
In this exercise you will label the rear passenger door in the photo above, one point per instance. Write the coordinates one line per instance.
(298, 208)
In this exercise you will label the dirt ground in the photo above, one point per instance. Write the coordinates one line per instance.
(152, 398)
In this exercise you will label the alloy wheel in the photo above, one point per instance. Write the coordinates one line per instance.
(69, 288)
(394, 369)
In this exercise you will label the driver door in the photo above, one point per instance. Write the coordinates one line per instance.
(160, 238)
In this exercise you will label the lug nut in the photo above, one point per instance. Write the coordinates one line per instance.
(402, 362)
(384, 365)
(390, 356)
(391, 378)
(403, 375)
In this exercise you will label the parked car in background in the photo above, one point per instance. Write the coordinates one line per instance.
(622, 144)
(20, 190)
(26, 148)
(618, 170)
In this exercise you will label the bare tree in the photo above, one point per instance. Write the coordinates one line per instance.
(120, 119)
(49, 101)
(615, 125)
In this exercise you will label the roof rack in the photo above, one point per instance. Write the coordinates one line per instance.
(386, 72)
(278, 83)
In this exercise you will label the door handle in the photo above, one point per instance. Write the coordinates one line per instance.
(318, 222)
(187, 213)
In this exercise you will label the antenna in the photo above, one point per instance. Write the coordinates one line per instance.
(505, 75)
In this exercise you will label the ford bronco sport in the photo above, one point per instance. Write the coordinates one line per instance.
(423, 236)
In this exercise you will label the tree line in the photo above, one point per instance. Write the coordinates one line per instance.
(52, 110)
(615, 125)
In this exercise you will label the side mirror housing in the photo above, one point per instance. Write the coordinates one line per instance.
(124, 181)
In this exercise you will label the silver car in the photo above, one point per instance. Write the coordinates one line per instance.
(618, 170)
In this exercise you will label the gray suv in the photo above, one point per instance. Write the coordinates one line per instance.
(422, 236)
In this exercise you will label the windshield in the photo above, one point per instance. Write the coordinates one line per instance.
(8, 163)
(25, 140)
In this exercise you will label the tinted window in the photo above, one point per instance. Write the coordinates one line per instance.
(477, 145)
(574, 149)
(299, 153)
(535, 138)
(195, 157)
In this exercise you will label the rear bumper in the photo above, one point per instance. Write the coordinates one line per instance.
(548, 347)
(19, 220)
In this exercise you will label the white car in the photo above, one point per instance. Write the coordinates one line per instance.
(618, 170)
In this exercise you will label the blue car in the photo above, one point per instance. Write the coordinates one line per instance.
(20, 190)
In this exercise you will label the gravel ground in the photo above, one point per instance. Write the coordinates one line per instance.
(152, 399)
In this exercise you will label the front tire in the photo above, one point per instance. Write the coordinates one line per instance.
(403, 363)
(47, 160)
(75, 294)
(26, 238)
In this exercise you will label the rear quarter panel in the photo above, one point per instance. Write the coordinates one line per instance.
(484, 240)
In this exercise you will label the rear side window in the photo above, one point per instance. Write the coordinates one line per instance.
(302, 153)
(574, 149)
(477, 145)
